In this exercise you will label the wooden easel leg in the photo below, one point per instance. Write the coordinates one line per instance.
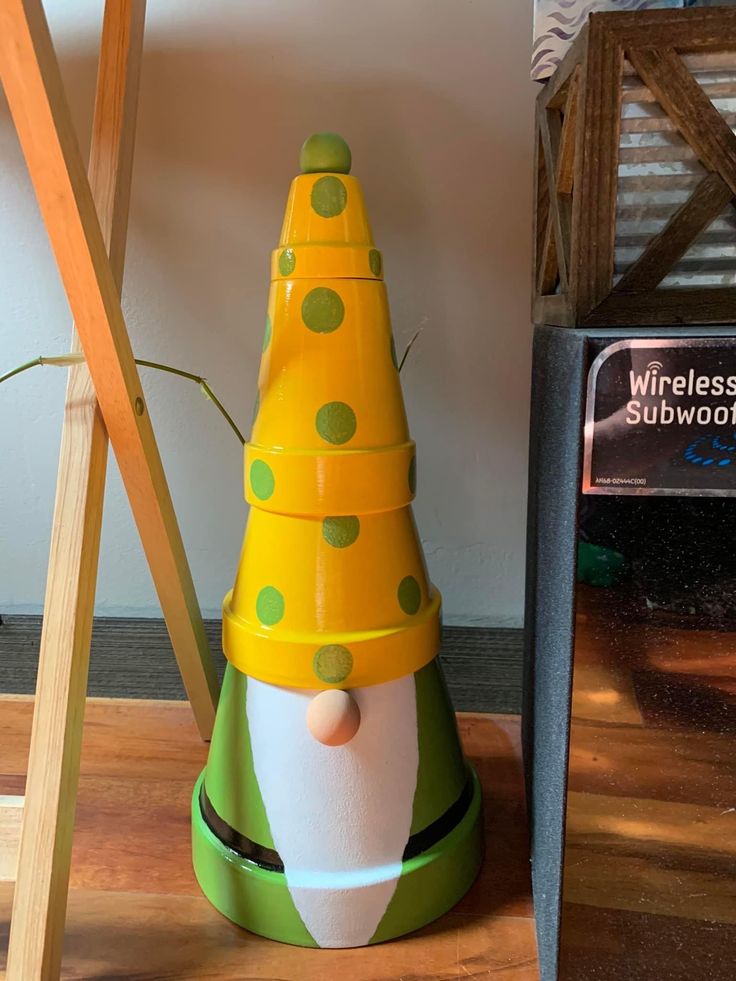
(37, 925)
(32, 82)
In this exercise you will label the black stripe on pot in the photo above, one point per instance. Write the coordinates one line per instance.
(422, 841)
(265, 858)
(270, 860)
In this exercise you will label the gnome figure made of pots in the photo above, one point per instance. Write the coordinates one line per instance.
(336, 808)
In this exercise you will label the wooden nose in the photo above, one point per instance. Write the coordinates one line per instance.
(333, 717)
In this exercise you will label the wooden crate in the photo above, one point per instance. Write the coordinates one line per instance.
(635, 218)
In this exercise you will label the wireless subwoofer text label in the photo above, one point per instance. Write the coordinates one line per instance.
(661, 417)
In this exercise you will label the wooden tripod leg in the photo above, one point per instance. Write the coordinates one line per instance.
(32, 82)
(37, 925)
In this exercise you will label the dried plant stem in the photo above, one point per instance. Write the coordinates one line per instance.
(409, 347)
(64, 360)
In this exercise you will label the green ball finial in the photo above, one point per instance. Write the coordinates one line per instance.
(325, 153)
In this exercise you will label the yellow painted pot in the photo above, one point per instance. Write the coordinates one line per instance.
(336, 808)
(352, 605)
(329, 468)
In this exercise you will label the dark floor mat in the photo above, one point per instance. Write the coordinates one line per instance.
(132, 658)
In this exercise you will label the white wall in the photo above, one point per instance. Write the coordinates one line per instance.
(435, 100)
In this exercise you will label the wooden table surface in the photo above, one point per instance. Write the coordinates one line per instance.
(136, 912)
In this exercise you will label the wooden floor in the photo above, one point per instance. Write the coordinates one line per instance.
(135, 910)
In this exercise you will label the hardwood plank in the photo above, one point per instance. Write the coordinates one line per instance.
(32, 83)
(134, 836)
(540, 215)
(704, 205)
(544, 273)
(596, 156)
(548, 270)
(48, 815)
(696, 30)
(154, 938)
(566, 153)
(549, 131)
(122, 738)
(676, 306)
(493, 745)
(11, 815)
(690, 109)
(553, 310)
(562, 210)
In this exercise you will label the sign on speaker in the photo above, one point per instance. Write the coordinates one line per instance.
(661, 418)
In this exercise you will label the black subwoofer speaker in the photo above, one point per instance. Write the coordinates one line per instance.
(630, 667)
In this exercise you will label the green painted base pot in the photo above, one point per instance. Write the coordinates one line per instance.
(259, 900)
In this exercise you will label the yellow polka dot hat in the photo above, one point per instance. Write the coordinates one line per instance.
(332, 588)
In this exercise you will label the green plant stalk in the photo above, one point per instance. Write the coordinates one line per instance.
(60, 361)
(203, 386)
(64, 360)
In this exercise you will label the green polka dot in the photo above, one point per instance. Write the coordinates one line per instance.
(394, 359)
(410, 595)
(341, 532)
(375, 261)
(256, 405)
(287, 262)
(333, 663)
(336, 422)
(329, 196)
(261, 480)
(267, 334)
(413, 475)
(322, 310)
(269, 606)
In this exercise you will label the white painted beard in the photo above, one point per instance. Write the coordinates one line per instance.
(340, 816)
